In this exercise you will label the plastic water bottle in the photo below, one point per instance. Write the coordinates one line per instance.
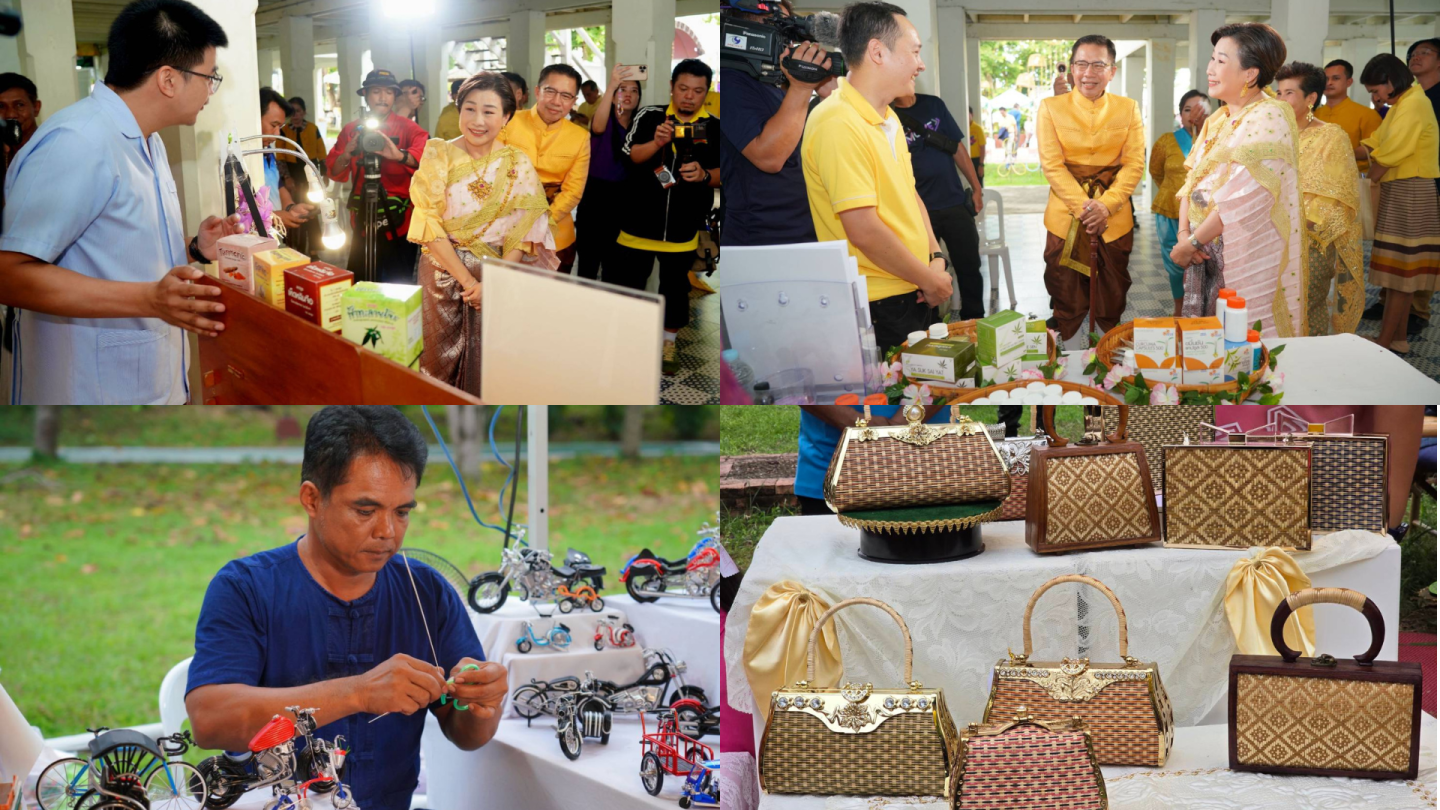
(742, 371)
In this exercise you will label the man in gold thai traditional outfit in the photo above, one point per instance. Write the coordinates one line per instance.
(1092, 150)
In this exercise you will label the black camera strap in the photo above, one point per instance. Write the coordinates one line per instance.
(249, 194)
(945, 144)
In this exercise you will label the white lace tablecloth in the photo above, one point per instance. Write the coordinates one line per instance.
(964, 615)
(1195, 778)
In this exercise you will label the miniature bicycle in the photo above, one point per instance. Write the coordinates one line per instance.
(126, 770)
(605, 631)
(558, 637)
(702, 786)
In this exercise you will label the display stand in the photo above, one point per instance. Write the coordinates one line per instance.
(266, 356)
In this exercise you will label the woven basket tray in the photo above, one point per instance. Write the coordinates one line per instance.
(967, 329)
(964, 395)
(1125, 332)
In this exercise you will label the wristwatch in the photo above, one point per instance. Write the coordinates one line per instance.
(194, 250)
(1195, 243)
(938, 255)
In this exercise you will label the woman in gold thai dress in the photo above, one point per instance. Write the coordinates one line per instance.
(474, 199)
(1330, 195)
(1240, 205)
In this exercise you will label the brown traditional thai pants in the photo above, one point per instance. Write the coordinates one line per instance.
(1070, 290)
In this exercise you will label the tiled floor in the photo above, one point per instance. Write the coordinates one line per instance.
(1150, 289)
(698, 349)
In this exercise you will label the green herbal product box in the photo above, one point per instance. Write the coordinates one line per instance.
(1000, 338)
(383, 317)
(939, 360)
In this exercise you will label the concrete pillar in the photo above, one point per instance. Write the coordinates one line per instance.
(924, 15)
(1133, 78)
(525, 48)
(48, 50)
(389, 42)
(972, 82)
(265, 62)
(348, 51)
(610, 60)
(1203, 22)
(431, 64)
(1160, 66)
(645, 37)
(952, 68)
(1358, 52)
(297, 58)
(1304, 25)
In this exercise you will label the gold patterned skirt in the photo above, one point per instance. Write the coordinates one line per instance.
(451, 327)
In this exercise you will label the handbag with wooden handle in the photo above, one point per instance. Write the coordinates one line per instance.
(1322, 716)
(857, 740)
(1124, 704)
(1094, 493)
(916, 464)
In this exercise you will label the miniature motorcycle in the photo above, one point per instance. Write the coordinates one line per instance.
(580, 714)
(558, 637)
(272, 761)
(605, 631)
(702, 786)
(582, 595)
(530, 572)
(126, 771)
(662, 684)
(648, 577)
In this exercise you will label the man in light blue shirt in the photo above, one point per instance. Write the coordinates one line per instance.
(93, 250)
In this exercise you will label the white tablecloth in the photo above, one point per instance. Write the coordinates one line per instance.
(964, 615)
(1197, 777)
(523, 768)
(690, 629)
(1350, 370)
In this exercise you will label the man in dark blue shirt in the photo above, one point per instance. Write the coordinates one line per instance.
(333, 621)
(765, 201)
(946, 199)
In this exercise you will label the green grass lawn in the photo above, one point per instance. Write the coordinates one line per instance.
(994, 180)
(103, 567)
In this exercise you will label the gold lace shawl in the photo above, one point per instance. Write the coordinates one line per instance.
(1330, 194)
(503, 184)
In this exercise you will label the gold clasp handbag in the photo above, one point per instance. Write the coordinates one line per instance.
(1124, 705)
(857, 740)
(1322, 716)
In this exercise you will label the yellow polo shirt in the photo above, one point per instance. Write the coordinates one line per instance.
(1106, 132)
(561, 154)
(855, 158)
(977, 139)
(1406, 140)
(1357, 120)
(447, 126)
(712, 102)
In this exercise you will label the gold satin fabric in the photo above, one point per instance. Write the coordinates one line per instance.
(776, 639)
(1330, 197)
(1254, 589)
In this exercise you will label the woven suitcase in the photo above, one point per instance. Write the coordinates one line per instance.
(1349, 480)
(857, 740)
(1154, 427)
(1124, 704)
(1240, 494)
(1028, 764)
(1321, 716)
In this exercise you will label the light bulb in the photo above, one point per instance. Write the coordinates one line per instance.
(372, 123)
(317, 190)
(332, 235)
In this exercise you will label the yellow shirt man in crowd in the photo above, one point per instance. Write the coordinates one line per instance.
(977, 146)
(1357, 120)
(447, 126)
(1092, 151)
(559, 148)
(859, 179)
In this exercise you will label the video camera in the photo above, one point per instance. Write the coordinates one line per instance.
(755, 46)
(9, 133)
(372, 140)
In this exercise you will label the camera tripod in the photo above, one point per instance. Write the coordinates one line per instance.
(369, 191)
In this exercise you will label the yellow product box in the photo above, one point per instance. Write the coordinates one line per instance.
(270, 268)
(1157, 350)
(1202, 350)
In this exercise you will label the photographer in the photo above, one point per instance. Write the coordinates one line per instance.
(671, 191)
(760, 151)
(935, 142)
(399, 152)
(19, 103)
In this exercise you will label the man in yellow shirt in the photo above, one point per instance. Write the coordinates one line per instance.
(560, 150)
(977, 147)
(859, 179)
(1092, 151)
(1357, 120)
(586, 110)
(447, 127)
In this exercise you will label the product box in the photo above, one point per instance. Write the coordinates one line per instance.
(383, 317)
(1036, 337)
(235, 258)
(1033, 362)
(270, 268)
(1202, 350)
(999, 336)
(1157, 356)
(939, 360)
(1010, 370)
(313, 292)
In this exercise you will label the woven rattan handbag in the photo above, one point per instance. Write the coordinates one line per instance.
(1094, 493)
(858, 740)
(1349, 479)
(1027, 764)
(914, 465)
(1156, 427)
(1238, 494)
(1321, 716)
(1016, 453)
(1124, 705)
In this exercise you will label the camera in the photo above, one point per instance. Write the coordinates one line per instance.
(371, 138)
(10, 133)
(697, 131)
(755, 46)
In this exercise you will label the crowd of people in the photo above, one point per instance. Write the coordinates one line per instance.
(612, 186)
(1263, 195)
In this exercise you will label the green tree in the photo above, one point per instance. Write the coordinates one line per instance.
(1003, 62)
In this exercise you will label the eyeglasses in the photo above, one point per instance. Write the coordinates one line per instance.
(550, 92)
(1082, 66)
(214, 78)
